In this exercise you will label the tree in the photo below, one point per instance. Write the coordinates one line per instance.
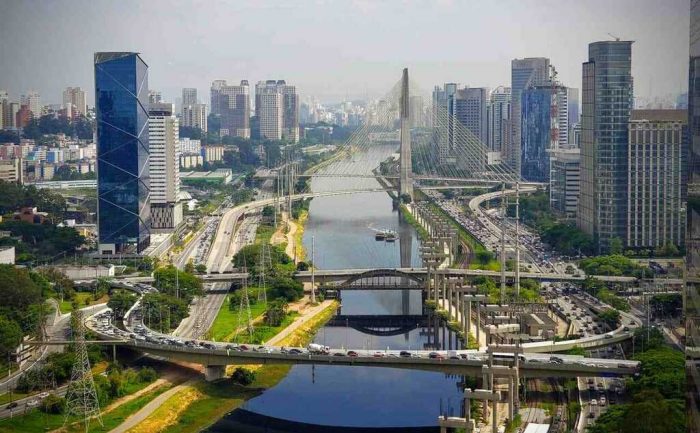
(243, 376)
(610, 317)
(120, 302)
(286, 287)
(21, 297)
(10, 336)
(53, 404)
(173, 282)
(276, 312)
(201, 268)
(616, 246)
(405, 198)
(189, 267)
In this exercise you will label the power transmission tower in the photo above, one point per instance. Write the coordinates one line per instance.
(265, 264)
(244, 310)
(81, 398)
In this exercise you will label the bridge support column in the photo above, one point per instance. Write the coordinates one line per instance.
(511, 398)
(449, 298)
(214, 372)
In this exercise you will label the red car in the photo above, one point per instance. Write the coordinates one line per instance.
(352, 353)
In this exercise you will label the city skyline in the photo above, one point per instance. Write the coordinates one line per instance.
(303, 42)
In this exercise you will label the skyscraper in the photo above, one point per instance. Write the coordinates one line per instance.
(498, 115)
(194, 116)
(442, 121)
(277, 110)
(607, 102)
(691, 300)
(189, 96)
(656, 182)
(469, 109)
(123, 180)
(573, 103)
(524, 73)
(543, 128)
(74, 99)
(232, 103)
(164, 149)
(33, 101)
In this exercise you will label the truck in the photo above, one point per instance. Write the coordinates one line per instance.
(317, 348)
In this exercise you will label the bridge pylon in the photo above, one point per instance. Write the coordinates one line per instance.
(405, 165)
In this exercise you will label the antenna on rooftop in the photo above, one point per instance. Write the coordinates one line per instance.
(617, 38)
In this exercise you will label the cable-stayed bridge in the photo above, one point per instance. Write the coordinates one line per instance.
(444, 153)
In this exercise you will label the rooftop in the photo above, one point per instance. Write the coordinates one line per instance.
(669, 115)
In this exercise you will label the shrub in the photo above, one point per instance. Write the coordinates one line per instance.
(243, 376)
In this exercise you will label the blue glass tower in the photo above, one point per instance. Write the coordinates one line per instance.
(536, 103)
(121, 102)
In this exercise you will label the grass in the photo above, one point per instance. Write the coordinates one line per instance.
(5, 398)
(35, 420)
(262, 332)
(83, 299)
(224, 326)
(299, 235)
(304, 334)
(264, 233)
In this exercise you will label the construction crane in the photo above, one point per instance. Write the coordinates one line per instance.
(617, 38)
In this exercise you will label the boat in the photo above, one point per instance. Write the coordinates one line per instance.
(380, 235)
(390, 236)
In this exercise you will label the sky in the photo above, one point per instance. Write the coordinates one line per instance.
(334, 49)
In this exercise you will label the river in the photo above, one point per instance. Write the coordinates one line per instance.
(329, 399)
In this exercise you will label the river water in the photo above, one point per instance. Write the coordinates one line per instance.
(328, 399)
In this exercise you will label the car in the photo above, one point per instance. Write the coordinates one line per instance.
(294, 351)
(405, 354)
(32, 403)
(594, 402)
(43, 395)
(338, 354)
(352, 353)
(244, 347)
(379, 354)
(435, 355)
(12, 405)
(602, 400)
(591, 415)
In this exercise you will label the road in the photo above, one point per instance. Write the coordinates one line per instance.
(203, 311)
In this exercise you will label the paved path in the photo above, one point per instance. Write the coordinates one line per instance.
(305, 316)
(147, 410)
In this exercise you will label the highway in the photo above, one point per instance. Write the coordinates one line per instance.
(203, 311)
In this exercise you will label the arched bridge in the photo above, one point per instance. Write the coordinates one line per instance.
(382, 279)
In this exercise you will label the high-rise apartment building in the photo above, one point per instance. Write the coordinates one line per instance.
(277, 110)
(74, 100)
(691, 298)
(656, 178)
(498, 113)
(189, 96)
(573, 104)
(442, 121)
(164, 149)
(194, 116)
(564, 181)
(469, 109)
(232, 104)
(544, 128)
(524, 73)
(123, 176)
(155, 97)
(33, 101)
(607, 101)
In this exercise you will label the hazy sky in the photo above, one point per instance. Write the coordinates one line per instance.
(331, 49)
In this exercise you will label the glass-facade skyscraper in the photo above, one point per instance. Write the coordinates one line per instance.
(607, 102)
(123, 183)
(691, 299)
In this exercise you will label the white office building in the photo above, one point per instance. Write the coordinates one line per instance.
(277, 110)
(164, 149)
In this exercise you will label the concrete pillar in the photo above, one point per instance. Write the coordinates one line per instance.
(511, 398)
(485, 403)
(478, 322)
(469, 317)
(465, 326)
(214, 372)
(443, 429)
(494, 419)
(449, 299)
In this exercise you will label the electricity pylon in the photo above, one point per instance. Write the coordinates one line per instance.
(265, 264)
(81, 398)
(244, 310)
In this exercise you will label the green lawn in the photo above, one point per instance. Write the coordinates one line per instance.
(262, 332)
(5, 398)
(83, 299)
(264, 233)
(35, 420)
(226, 320)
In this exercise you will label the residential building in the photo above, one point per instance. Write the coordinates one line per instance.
(524, 73)
(189, 96)
(191, 161)
(154, 97)
(123, 176)
(656, 186)
(33, 102)
(164, 149)
(12, 170)
(277, 110)
(74, 97)
(564, 181)
(498, 113)
(691, 298)
(213, 153)
(232, 103)
(607, 101)
(544, 128)
(24, 116)
(190, 146)
(194, 116)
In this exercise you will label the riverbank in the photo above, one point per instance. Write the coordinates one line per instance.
(198, 405)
